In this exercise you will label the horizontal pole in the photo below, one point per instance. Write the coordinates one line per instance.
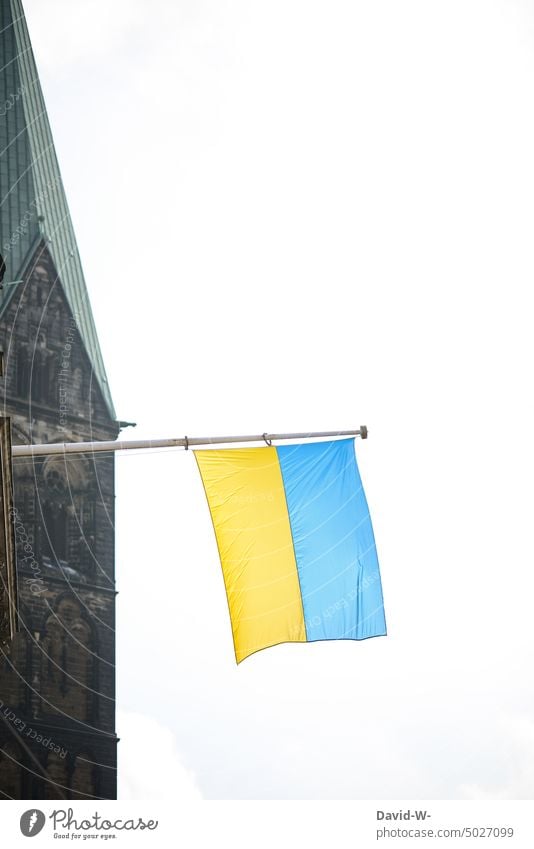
(182, 442)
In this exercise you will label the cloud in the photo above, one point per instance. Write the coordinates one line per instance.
(150, 766)
(82, 31)
(515, 777)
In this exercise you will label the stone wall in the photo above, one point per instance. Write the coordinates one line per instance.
(57, 683)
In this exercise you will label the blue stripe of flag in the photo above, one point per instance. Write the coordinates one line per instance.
(333, 541)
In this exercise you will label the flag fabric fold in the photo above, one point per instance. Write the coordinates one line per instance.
(296, 543)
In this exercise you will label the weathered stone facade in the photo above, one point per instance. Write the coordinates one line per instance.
(57, 684)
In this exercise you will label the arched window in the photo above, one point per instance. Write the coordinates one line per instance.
(84, 386)
(84, 774)
(12, 672)
(56, 770)
(41, 370)
(67, 512)
(54, 509)
(53, 380)
(67, 662)
(54, 531)
(23, 372)
(11, 770)
(37, 376)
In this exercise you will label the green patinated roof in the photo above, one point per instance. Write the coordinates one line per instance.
(33, 205)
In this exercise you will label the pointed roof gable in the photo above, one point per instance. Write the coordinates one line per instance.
(32, 199)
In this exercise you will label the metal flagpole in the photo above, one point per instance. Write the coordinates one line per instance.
(182, 442)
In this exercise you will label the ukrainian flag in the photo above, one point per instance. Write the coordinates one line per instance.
(296, 544)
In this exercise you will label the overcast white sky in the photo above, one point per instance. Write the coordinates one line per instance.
(310, 215)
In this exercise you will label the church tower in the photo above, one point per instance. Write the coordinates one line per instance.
(57, 678)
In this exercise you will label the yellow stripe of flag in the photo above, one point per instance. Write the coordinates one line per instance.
(248, 508)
